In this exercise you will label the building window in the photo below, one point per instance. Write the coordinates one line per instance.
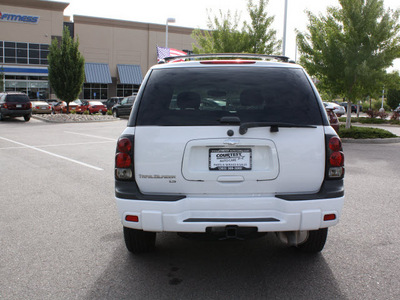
(44, 51)
(23, 53)
(9, 53)
(1, 52)
(95, 91)
(33, 54)
(124, 90)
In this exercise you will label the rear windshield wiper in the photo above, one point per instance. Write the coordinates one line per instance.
(274, 126)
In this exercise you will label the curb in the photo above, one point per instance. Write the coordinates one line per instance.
(371, 141)
(66, 120)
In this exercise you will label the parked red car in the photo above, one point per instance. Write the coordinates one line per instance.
(91, 106)
(61, 107)
(333, 119)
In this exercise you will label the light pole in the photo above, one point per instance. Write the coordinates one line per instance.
(284, 30)
(169, 20)
(383, 96)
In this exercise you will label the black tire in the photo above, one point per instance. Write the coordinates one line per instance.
(315, 241)
(1, 116)
(139, 241)
(115, 113)
(27, 118)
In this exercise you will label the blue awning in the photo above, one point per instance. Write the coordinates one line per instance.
(97, 73)
(130, 74)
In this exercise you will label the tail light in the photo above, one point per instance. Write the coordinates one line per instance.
(335, 158)
(124, 159)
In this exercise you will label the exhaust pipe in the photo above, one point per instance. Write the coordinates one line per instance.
(292, 238)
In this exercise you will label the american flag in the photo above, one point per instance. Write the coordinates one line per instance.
(163, 52)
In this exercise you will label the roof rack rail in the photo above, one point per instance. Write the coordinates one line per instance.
(225, 55)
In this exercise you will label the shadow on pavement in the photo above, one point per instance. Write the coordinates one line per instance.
(196, 269)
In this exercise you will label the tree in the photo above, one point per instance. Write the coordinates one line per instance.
(66, 68)
(350, 49)
(224, 35)
(262, 39)
(393, 98)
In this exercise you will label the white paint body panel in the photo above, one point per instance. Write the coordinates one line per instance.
(174, 160)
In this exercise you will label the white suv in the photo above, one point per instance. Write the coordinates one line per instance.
(230, 146)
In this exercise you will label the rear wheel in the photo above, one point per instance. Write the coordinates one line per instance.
(115, 113)
(139, 241)
(315, 241)
(1, 117)
(27, 118)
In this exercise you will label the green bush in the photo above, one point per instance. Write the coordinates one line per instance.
(109, 112)
(364, 133)
(364, 120)
(86, 112)
(371, 121)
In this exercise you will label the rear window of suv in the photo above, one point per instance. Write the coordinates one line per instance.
(17, 98)
(202, 96)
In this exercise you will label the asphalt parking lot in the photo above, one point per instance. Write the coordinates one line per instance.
(60, 236)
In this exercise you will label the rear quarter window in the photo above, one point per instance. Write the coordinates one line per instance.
(17, 98)
(202, 96)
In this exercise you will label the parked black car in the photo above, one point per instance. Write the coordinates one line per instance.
(353, 107)
(112, 101)
(123, 108)
(14, 104)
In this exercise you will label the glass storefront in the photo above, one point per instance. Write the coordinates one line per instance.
(36, 87)
(95, 91)
(124, 90)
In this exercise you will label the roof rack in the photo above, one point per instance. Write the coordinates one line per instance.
(225, 55)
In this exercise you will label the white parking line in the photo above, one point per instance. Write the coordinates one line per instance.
(57, 145)
(89, 135)
(53, 154)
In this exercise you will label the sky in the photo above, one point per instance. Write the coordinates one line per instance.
(194, 14)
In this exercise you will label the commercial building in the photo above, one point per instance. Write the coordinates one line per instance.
(117, 53)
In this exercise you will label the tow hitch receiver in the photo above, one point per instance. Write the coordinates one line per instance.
(234, 232)
(231, 232)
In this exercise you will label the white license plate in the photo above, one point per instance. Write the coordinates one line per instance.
(229, 159)
(18, 105)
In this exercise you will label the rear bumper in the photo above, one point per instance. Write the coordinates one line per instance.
(195, 214)
(15, 112)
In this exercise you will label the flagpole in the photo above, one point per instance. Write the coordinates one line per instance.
(169, 20)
